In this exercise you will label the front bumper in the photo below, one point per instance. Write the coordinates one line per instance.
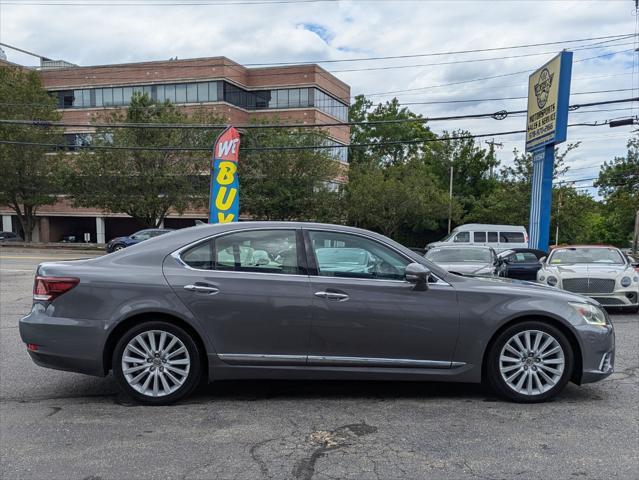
(73, 345)
(598, 352)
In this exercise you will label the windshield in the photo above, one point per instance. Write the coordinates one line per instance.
(609, 256)
(459, 255)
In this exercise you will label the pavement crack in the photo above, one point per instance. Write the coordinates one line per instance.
(328, 441)
(257, 459)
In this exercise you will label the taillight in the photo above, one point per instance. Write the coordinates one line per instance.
(48, 288)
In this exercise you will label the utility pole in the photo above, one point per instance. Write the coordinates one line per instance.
(557, 219)
(450, 197)
(635, 242)
(491, 151)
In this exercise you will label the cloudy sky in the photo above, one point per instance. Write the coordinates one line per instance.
(89, 32)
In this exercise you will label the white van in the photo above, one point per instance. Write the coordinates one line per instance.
(500, 237)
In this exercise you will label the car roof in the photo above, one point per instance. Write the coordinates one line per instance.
(486, 226)
(482, 247)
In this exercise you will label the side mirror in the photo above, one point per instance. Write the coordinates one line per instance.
(635, 265)
(418, 274)
(542, 260)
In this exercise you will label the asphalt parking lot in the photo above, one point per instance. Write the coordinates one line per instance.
(58, 425)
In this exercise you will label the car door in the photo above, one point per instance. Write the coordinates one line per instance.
(366, 314)
(251, 292)
(523, 265)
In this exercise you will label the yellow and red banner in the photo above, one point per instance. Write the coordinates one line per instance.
(224, 206)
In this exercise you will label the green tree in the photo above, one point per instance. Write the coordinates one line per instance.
(399, 200)
(30, 174)
(618, 183)
(145, 184)
(393, 129)
(292, 184)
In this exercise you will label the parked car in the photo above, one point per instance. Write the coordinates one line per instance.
(201, 302)
(122, 242)
(465, 259)
(10, 237)
(520, 263)
(499, 237)
(600, 272)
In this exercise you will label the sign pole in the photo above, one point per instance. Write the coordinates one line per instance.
(547, 121)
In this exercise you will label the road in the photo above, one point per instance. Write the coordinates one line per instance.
(58, 425)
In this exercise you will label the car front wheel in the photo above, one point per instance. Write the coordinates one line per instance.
(157, 363)
(529, 362)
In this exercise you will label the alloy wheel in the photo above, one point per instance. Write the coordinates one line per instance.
(532, 362)
(155, 363)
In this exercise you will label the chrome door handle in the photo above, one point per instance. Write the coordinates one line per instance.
(339, 297)
(201, 289)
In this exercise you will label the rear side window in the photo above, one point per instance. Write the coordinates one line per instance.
(492, 237)
(479, 237)
(523, 257)
(265, 251)
(462, 237)
(511, 237)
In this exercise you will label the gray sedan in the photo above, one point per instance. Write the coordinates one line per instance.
(308, 301)
(478, 260)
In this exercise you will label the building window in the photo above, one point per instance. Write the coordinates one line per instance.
(180, 93)
(191, 92)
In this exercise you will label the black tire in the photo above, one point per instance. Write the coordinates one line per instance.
(118, 246)
(195, 368)
(497, 382)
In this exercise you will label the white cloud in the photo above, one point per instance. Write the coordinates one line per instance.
(281, 32)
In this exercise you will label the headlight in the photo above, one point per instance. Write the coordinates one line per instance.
(590, 313)
(625, 282)
(552, 280)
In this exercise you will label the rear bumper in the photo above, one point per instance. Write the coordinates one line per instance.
(63, 343)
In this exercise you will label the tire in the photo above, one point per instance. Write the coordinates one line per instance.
(542, 370)
(118, 246)
(173, 373)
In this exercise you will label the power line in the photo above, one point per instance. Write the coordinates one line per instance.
(461, 82)
(500, 115)
(263, 149)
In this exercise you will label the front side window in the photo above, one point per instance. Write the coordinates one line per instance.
(462, 237)
(345, 255)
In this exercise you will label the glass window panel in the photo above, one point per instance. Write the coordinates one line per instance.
(127, 93)
(294, 98)
(107, 94)
(148, 90)
(511, 237)
(201, 256)
(169, 93)
(202, 92)
(213, 95)
(479, 237)
(282, 99)
(492, 237)
(270, 251)
(180, 93)
(160, 93)
(303, 97)
(77, 98)
(462, 237)
(191, 92)
(117, 96)
(345, 255)
(273, 101)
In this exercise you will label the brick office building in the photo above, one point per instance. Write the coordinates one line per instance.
(295, 94)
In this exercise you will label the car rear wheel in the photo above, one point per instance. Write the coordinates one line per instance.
(529, 362)
(118, 246)
(157, 363)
